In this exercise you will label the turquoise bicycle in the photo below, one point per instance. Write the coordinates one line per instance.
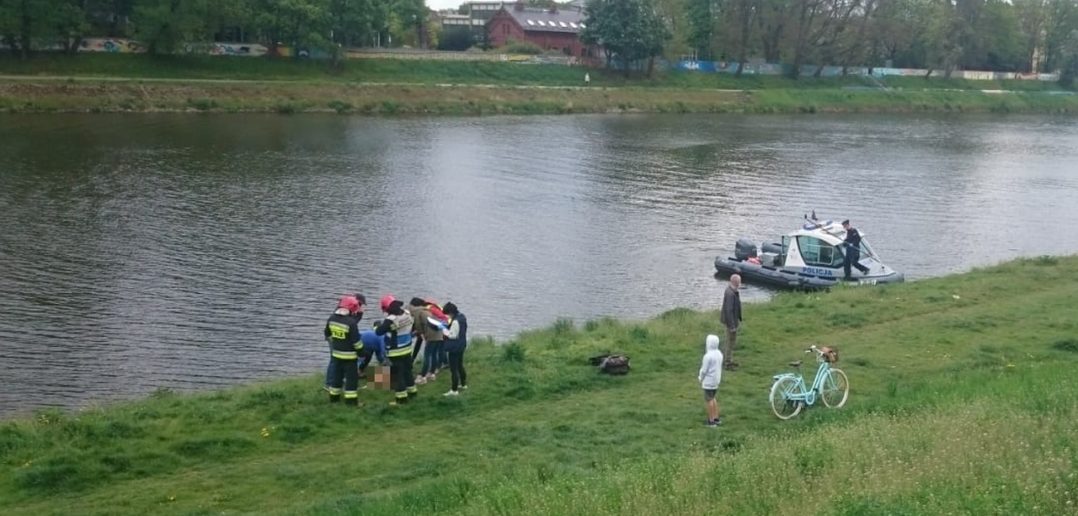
(789, 394)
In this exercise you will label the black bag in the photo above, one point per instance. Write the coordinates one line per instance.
(615, 364)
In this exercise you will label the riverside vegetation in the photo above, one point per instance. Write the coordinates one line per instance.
(963, 400)
(134, 83)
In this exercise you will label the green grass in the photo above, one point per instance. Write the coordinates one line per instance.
(139, 83)
(436, 72)
(963, 400)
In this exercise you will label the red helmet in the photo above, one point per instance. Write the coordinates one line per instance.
(350, 303)
(387, 300)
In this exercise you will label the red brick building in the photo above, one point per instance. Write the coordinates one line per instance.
(550, 29)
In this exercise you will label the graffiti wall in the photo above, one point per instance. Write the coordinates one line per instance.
(111, 45)
(237, 49)
(836, 71)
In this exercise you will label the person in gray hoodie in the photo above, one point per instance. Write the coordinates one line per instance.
(710, 376)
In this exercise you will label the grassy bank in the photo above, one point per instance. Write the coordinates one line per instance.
(441, 72)
(131, 83)
(92, 96)
(963, 400)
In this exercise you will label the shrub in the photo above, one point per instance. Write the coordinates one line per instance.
(513, 352)
(520, 47)
(563, 326)
(340, 106)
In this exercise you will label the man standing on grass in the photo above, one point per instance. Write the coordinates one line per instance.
(731, 319)
(710, 376)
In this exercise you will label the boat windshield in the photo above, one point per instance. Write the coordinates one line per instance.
(817, 252)
(866, 250)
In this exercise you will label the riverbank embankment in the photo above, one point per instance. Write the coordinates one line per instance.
(386, 87)
(942, 371)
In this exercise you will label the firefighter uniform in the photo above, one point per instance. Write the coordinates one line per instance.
(342, 332)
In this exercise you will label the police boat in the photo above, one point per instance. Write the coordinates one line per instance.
(807, 259)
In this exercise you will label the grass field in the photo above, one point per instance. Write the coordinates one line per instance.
(963, 400)
(134, 83)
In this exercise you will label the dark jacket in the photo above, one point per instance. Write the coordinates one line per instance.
(731, 308)
(342, 332)
(853, 238)
(461, 340)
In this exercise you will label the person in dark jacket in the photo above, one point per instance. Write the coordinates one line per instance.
(456, 341)
(852, 251)
(731, 319)
(342, 332)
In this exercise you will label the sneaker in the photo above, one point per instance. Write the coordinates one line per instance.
(431, 377)
(452, 393)
(420, 380)
(718, 422)
(711, 424)
(465, 387)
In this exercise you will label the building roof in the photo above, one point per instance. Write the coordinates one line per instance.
(542, 20)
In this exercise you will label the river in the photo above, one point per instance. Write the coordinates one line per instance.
(193, 251)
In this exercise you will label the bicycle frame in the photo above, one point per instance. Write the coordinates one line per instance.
(803, 394)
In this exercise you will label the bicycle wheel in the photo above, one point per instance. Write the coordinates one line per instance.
(781, 404)
(835, 389)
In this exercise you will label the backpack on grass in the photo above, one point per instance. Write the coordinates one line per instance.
(611, 364)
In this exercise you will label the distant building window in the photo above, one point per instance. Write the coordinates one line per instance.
(561, 23)
(531, 22)
(573, 25)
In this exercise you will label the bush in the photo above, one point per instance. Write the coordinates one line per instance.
(520, 47)
(513, 352)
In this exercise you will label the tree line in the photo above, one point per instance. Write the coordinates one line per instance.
(166, 26)
(995, 35)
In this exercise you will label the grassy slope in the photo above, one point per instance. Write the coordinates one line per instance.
(284, 86)
(963, 399)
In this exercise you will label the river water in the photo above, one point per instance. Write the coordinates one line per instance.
(192, 251)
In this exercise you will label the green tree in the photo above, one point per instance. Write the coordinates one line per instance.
(166, 26)
(700, 29)
(30, 24)
(628, 30)
(296, 23)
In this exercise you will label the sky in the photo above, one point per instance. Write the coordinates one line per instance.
(438, 5)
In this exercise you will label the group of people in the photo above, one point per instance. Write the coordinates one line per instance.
(716, 359)
(440, 333)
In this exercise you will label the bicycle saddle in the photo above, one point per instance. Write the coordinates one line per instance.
(795, 364)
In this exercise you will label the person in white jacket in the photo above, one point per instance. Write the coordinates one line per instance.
(710, 376)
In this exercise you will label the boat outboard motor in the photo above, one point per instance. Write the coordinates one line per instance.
(744, 249)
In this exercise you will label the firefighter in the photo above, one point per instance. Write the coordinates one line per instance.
(342, 332)
(397, 324)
